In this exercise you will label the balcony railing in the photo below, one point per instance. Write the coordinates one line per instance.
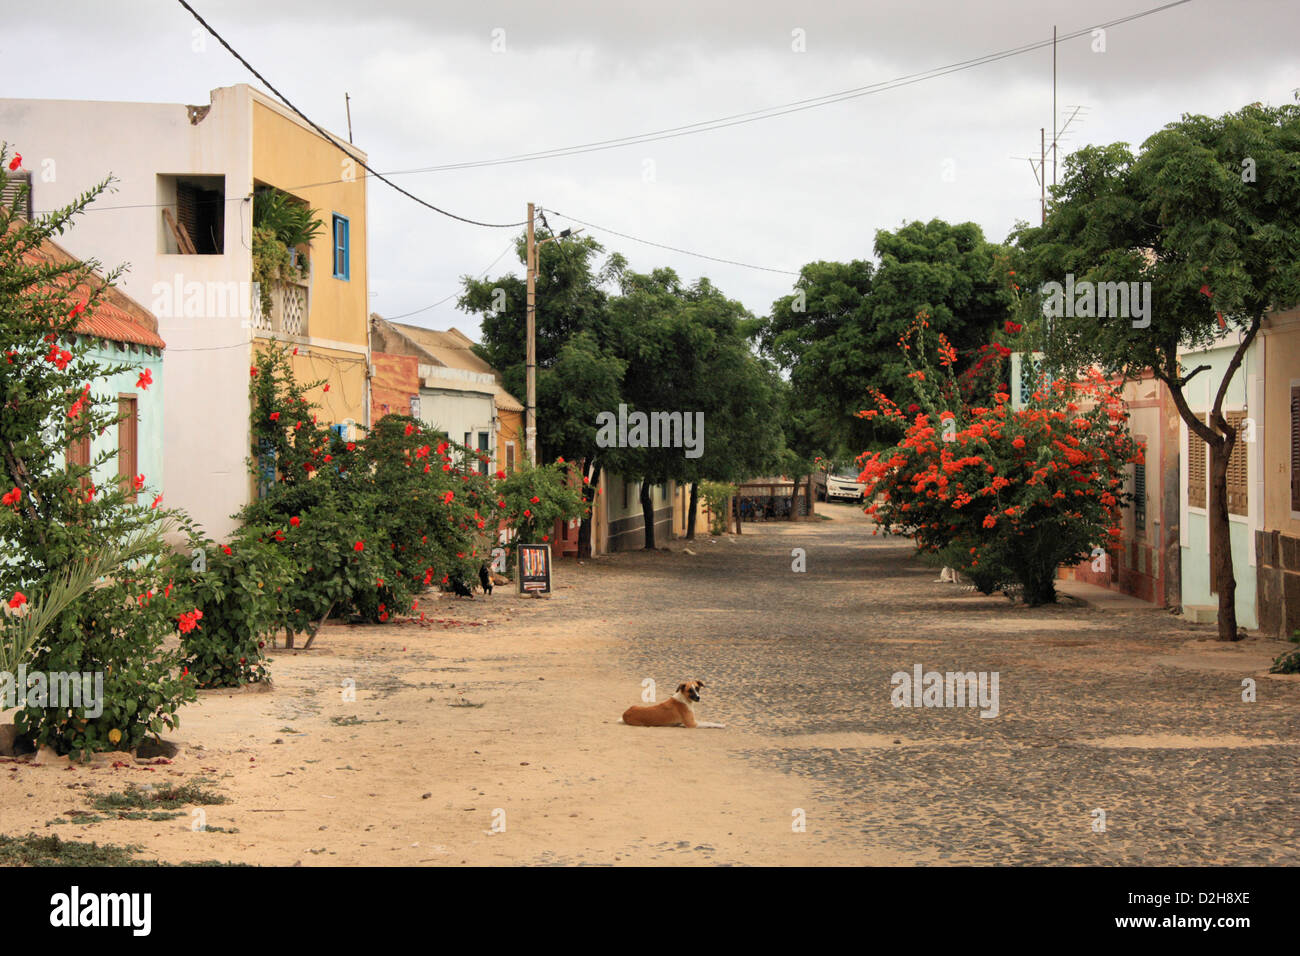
(288, 308)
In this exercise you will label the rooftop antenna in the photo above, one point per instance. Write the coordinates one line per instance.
(347, 102)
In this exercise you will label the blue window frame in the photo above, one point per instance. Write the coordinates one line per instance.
(342, 250)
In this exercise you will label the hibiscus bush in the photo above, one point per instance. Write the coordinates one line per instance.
(533, 499)
(1005, 495)
(56, 518)
(237, 590)
(367, 524)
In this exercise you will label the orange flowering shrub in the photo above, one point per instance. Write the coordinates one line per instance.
(1003, 494)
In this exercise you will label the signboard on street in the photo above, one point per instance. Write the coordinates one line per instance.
(534, 569)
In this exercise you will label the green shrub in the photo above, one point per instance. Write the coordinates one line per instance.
(715, 495)
(240, 589)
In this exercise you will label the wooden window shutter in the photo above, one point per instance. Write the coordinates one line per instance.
(1238, 473)
(128, 435)
(78, 456)
(14, 184)
(1197, 452)
(1295, 447)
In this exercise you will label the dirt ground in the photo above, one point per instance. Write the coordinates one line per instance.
(491, 734)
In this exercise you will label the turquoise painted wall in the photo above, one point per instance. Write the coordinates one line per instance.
(149, 457)
(1196, 555)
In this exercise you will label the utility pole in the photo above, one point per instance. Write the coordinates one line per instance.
(1042, 167)
(530, 414)
(530, 421)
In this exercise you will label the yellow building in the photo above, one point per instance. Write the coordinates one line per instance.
(324, 316)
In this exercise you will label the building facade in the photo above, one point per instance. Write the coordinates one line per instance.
(1277, 429)
(185, 178)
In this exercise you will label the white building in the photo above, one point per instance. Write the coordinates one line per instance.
(180, 214)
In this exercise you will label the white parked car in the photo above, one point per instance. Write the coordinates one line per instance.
(844, 484)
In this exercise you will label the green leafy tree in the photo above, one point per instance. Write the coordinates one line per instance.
(837, 333)
(578, 367)
(1208, 212)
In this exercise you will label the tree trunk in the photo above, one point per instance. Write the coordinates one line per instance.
(648, 512)
(1224, 580)
(592, 471)
(691, 509)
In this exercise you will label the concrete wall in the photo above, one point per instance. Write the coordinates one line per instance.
(1277, 542)
(456, 412)
(510, 428)
(624, 522)
(396, 380)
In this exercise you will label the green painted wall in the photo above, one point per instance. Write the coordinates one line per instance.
(149, 457)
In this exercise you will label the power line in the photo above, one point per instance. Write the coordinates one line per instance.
(391, 318)
(737, 119)
(685, 252)
(703, 126)
(306, 119)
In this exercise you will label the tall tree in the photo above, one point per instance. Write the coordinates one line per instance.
(837, 334)
(577, 369)
(1208, 213)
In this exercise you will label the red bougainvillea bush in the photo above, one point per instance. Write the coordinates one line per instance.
(1005, 495)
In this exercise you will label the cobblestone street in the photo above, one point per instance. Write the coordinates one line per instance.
(1134, 713)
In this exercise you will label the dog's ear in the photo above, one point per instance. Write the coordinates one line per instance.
(699, 683)
(681, 688)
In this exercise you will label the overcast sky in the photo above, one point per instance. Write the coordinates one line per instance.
(436, 83)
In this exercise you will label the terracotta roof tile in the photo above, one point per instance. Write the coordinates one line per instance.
(117, 317)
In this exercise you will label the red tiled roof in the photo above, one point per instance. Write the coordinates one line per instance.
(110, 322)
(117, 317)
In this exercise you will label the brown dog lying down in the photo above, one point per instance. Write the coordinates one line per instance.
(677, 711)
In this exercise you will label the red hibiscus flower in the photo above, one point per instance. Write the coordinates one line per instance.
(139, 482)
(156, 501)
(295, 521)
(500, 473)
(275, 416)
(12, 497)
(18, 600)
(15, 162)
(145, 380)
(359, 546)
